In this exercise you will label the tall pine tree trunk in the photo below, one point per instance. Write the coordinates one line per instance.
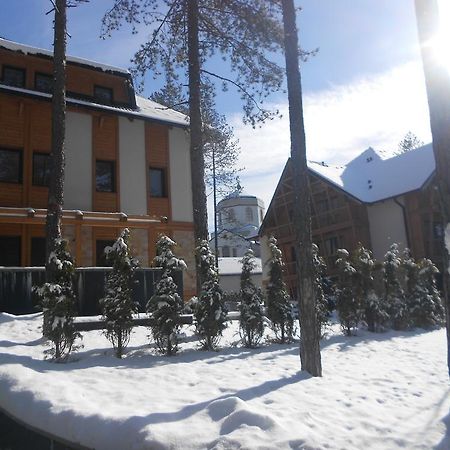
(196, 148)
(437, 80)
(56, 186)
(309, 328)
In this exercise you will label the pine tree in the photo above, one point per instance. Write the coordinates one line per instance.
(372, 305)
(58, 303)
(409, 142)
(251, 321)
(322, 309)
(117, 305)
(188, 33)
(166, 305)
(347, 304)
(210, 312)
(428, 311)
(394, 294)
(309, 328)
(279, 306)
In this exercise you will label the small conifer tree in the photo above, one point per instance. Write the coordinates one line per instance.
(372, 305)
(347, 304)
(251, 321)
(58, 303)
(279, 306)
(117, 305)
(429, 312)
(166, 305)
(394, 294)
(322, 309)
(210, 311)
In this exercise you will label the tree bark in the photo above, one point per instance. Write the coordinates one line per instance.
(437, 80)
(196, 146)
(56, 186)
(309, 329)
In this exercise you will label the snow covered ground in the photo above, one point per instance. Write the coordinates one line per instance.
(379, 391)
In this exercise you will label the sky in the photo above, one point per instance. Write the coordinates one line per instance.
(365, 86)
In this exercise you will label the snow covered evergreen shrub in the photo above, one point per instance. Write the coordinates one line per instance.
(394, 294)
(427, 311)
(372, 305)
(251, 321)
(322, 309)
(210, 312)
(58, 304)
(279, 306)
(347, 304)
(166, 305)
(117, 306)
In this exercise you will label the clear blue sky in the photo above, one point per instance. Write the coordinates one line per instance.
(364, 88)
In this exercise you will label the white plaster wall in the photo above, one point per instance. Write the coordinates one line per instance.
(387, 226)
(78, 171)
(133, 170)
(180, 175)
(232, 283)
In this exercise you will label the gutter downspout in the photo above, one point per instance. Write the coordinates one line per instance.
(405, 222)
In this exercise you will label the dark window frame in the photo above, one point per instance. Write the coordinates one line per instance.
(34, 182)
(163, 186)
(19, 69)
(44, 75)
(113, 176)
(105, 89)
(18, 151)
(37, 251)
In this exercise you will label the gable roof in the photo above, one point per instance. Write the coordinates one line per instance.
(370, 179)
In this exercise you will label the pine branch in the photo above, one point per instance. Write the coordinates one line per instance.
(237, 85)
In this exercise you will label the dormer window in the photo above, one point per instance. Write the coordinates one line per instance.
(103, 94)
(43, 82)
(13, 76)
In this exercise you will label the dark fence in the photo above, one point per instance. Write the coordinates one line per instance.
(17, 297)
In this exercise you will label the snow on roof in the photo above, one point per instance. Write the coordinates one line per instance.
(153, 110)
(370, 178)
(28, 50)
(146, 109)
(233, 266)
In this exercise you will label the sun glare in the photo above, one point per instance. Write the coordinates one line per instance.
(441, 43)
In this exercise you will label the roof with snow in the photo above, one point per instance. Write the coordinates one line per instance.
(145, 108)
(36, 51)
(369, 178)
(233, 266)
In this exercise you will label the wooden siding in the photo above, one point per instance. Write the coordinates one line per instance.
(80, 80)
(157, 156)
(105, 145)
(337, 221)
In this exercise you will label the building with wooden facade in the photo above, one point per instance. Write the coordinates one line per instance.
(127, 163)
(371, 200)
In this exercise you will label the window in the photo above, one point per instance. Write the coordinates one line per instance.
(249, 214)
(13, 76)
(10, 166)
(231, 215)
(234, 251)
(43, 82)
(105, 180)
(438, 230)
(38, 251)
(293, 254)
(331, 245)
(41, 169)
(157, 182)
(103, 94)
(100, 257)
(225, 251)
(10, 249)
